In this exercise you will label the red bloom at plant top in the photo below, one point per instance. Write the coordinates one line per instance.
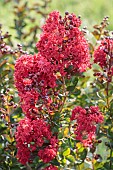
(33, 135)
(103, 55)
(63, 44)
(86, 121)
(62, 48)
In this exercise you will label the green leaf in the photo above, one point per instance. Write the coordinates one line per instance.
(4, 73)
(9, 138)
(98, 165)
(77, 92)
(74, 80)
(110, 133)
(82, 153)
(64, 161)
(70, 158)
(70, 88)
(55, 162)
(66, 152)
(2, 129)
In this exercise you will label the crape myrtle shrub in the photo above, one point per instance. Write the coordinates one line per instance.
(65, 92)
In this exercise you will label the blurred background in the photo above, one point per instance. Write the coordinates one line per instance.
(91, 11)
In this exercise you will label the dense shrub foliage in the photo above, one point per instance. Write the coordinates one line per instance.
(62, 115)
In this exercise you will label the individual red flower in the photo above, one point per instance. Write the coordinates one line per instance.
(27, 82)
(104, 53)
(63, 44)
(33, 135)
(86, 121)
(51, 167)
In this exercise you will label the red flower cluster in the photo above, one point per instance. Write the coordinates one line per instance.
(86, 120)
(33, 135)
(63, 44)
(34, 71)
(62, 48)
(103, 55)
(51, 167)
(34, 76)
